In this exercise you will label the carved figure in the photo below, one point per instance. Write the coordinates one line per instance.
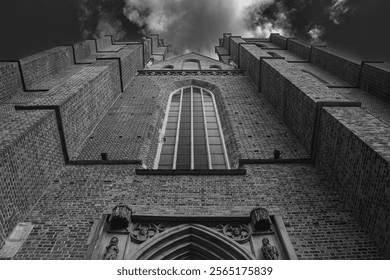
(260, 219)
(120, 217)
(112, 249)
(239, 233)
(269, 252)
(142, 232)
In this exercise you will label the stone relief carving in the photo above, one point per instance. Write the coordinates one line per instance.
(141, 232)
(260, 219)
(120, 217)
(112, 249)
(269, 252)
(239, 233)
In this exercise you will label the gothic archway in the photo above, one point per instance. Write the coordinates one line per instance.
(191, 241)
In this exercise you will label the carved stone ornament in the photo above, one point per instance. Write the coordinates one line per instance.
(239, 233)
(120, 217)
(141, 232)
(269, 252)
(112, 249)
(260, 219)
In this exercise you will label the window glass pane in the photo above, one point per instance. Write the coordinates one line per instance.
(176, 98)
(216, 149)
(219, 166)
(213, 132)
(161, 166)
(169, 140)
(171, 126)
(212, 126)
(173, 119)
(198, 126)
(211, 119)
(200, 159)
(183, 159)
(210, 114)
(198, 113)
(199, 141)
(175, 109)
(198, 119)
(185, 119)
(192, 104)
(183, 166)
(199, 132)
(173, 114)
(200, 166)
(217, 159)
(170, 133)
(184, 141)
(168, 150)
(184, 149)
(200, 150)
(166, 159)
(186, 132)
(214, 140)
(185, 125)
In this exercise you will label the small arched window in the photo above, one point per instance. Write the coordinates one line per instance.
(192, 136)
(215, 67)
(168, 67)
(150, 62)
(191, 64)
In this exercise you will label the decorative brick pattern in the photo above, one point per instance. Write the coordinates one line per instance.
(375, 78)
(354, 154)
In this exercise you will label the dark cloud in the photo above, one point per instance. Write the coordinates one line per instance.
(356, 26)
(187, 24)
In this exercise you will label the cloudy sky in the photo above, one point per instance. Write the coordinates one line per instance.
(357, 26)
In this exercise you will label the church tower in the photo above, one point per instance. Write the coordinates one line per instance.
(121, 150)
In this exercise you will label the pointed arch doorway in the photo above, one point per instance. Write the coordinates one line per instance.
(190, 242)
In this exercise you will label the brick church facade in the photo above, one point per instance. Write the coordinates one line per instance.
(119, 150)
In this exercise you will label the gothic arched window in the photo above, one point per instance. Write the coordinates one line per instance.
(193, 136)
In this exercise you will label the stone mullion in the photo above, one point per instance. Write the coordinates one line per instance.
(177, 131)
